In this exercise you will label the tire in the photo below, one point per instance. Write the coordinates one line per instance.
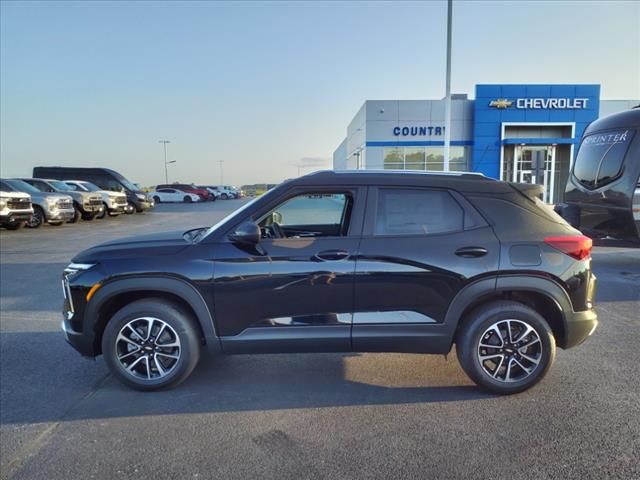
(224, 196)
(533, 349)
(178, 324)
(131, 209)
(37, 219)
(187, 199)
(76, 214)
(87, 217)
(105, 210)
(14, 226)
(156, 199)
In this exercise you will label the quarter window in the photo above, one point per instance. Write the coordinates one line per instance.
(417, 212)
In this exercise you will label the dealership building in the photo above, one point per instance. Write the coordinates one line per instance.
(523, 133)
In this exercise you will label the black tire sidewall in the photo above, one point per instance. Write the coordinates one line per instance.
(38, 215)
(481, 319)
(76, 215)
(105, 211)
(173, 315)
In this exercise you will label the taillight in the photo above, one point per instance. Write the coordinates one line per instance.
(576, 246)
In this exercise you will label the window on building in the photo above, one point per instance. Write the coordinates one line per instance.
(414, 158)
(394, 158)
(435, 158)
(426, 158)
(417, 212)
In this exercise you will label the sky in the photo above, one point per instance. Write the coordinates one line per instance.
(268, 88)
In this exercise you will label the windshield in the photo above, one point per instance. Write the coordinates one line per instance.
(58, 185)
(89, 187)
(21, 186)
(129, 185)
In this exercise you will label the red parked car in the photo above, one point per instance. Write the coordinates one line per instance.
(201, 192)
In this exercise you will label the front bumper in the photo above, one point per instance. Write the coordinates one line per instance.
(60, 215)
(142, 205)
(81, 341)
(15, 217)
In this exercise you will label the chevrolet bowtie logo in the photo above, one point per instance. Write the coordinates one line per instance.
(500, 103)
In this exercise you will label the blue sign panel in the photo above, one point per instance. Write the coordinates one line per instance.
(523, 104)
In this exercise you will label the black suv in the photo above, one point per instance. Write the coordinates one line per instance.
(340, 262)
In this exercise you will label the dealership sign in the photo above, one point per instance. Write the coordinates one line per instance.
(418, 131)
(541, 103)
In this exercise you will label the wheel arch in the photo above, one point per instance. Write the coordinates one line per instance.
(541, 294)
(119, 292)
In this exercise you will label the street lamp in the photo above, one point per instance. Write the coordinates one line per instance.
(164, 145)
(166, 178)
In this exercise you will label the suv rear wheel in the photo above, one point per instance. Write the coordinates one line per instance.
(151, 344)
(505, 347)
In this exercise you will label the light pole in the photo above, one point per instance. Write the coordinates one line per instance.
(166, 173)
(447, 103)
(166, 178)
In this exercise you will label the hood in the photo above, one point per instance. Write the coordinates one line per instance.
(4, 194)
(112, 193)
(84, 196)
(166, 243)
(53, 196)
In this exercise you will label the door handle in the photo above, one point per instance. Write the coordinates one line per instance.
(332, 255)
(471, 252)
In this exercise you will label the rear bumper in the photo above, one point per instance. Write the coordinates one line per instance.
(579, 326)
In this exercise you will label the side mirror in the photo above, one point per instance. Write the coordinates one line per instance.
(248, 234)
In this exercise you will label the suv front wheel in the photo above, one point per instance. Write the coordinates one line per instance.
(505, 347)
(151, 344)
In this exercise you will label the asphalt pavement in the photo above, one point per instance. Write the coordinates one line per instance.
(333, 416)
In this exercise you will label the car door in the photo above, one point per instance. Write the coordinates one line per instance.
(420, 246)
(294, 291)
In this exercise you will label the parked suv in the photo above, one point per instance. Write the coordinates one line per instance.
(52, 208)
(87, 205)
(113, 203)
(228, 192)
(349, 261)
(15, 209)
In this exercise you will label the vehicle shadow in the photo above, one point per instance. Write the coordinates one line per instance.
(277, 382)
(65, 387)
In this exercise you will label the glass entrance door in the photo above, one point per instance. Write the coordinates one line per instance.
(536, 164)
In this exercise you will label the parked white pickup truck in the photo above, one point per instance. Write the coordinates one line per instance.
(15, 209)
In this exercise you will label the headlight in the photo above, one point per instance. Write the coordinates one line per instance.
(77, 267)
(2, 204)
(141, 196)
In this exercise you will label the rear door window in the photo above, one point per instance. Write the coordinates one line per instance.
(601, 157)
(417, 212)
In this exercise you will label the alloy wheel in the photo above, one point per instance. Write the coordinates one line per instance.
(148, 348)
(509, 350)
